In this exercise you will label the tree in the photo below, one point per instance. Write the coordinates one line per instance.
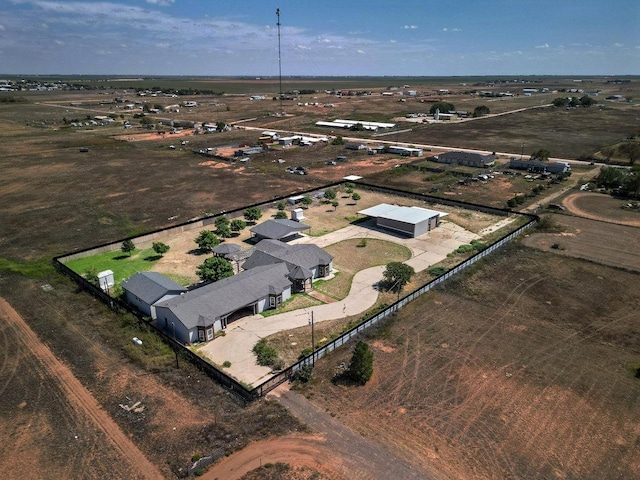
(91, 275)
(307, 200)
(206, 240)
(361, 367)
(560, 102)
(338, 141)
(541, 154)
(252, 214)
(222, 227)
(355, 197)
(282, 206)
(280, 215)
(397, 275)
(237, 225)
(330, 194)
(631, 149)
(128, 247)
(335, 204)
(214, 269)
(587, 101)
(220, 126)
(480, 111)
(160, 248)
(444, 107)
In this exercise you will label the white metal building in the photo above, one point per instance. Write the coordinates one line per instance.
(411, 221)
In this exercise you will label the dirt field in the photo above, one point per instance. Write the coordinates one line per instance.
(615, 245)
(601, 207)
(582, 422)
(485, 379)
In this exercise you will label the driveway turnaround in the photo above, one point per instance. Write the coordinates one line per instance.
(240, 336)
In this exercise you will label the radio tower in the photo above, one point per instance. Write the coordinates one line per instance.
(279, 61)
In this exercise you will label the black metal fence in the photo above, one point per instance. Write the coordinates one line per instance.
(231, 384)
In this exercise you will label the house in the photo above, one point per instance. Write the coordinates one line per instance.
(536, 166)
(405, 151)
(278, 229)
(355, 146)
(468, 159)
(305, 262)
(144, 289)
(196, 315)
(410, 221)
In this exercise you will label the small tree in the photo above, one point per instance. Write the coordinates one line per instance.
(443, 107)
(306, 201)
(91, 275)
(282, 206)
(252, 214)
(222, 227)
(206, 240)
(361, 366)
(480, 111)
(330, 194)
(397, 275)
(541, 154)
(160, 248)
(280, 215)
(214, 269)
(338, 141)
(355, 197)
(335, 204)
(237, 225)
(128, 247)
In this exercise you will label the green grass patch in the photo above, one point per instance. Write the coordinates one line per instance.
(296, 302)
(32, 269)
(122, 265)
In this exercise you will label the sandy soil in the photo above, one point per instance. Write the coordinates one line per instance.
(78, 397)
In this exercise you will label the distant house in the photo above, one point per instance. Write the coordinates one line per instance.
(198, 314)
(355, 146)
(144, 289)
(305, 262)
(405, 151)
(468, 159)
(536, 166)
(279, 229)
(410, 221)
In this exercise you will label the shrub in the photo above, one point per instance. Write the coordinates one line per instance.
(226, 364)
(267, 354)
(303, 374)
(361, 366)
(362, 243)
(436, 271)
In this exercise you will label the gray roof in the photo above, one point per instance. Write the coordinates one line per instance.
(226, 248)
(226, 296)
(468, 156)
(279, 228)
(150, 286)
(412, 215)
(306, 256)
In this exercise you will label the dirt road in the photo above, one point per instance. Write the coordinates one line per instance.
(335, 450)
(78, 396)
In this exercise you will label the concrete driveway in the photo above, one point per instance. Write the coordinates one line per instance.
(237, 344)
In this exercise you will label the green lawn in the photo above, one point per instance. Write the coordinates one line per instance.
(121, 264)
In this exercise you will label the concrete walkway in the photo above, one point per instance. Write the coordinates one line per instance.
(237, 344)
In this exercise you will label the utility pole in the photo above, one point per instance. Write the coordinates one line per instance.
(175, 348)
(279, 61)
(313, 341)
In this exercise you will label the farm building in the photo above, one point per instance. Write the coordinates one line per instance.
(143, 289)
(410, 221)
(373, 126)
(405, 151)
(278, 229)
(536, 166)
(468, 159)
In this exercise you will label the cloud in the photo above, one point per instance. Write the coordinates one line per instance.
(445, 29)
(546, 45)
(361, 52)
(409, 27)
(618, 45)
(2, 28)
(161, 3)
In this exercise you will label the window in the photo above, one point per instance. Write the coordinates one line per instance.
(209, 333)
(201, 335)
(275, 300)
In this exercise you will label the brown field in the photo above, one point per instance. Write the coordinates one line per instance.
(459, 410)
(487, 377)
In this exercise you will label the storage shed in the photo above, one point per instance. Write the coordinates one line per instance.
(410, 221)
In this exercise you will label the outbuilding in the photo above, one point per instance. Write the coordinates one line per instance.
(410, 221)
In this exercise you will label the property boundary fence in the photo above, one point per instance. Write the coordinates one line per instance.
(231, 384)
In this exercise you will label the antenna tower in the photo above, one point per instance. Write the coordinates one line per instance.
(279, 61)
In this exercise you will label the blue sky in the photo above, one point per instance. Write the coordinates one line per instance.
(375, 37)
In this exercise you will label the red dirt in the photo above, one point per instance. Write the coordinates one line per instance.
(79, 397)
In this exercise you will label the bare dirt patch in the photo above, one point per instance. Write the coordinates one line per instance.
(606, 243)
(597, 206)
(511, 395)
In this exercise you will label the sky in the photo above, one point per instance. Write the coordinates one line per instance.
(320, 38)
